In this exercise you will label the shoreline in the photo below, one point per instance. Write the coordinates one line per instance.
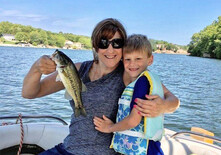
(40, 46)
(180, 51)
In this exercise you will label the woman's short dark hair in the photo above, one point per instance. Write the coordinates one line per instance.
(106, 29)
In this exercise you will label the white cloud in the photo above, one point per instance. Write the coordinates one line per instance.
(74, 23)
(82, 26)
(79, 25)
(15, 14)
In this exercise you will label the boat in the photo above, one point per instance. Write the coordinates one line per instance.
(33, 138)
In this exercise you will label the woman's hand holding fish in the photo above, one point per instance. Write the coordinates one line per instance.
(103, 125)
(45, 65)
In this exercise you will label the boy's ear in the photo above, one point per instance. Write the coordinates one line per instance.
(150, 60)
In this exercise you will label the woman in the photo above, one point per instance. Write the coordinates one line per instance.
(103, 78)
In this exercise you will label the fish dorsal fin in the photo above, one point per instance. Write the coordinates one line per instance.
(84, 88)
(67, 95)
(58, 78)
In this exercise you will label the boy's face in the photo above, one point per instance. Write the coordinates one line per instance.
(136, 62)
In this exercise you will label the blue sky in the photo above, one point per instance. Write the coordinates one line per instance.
(174, 21)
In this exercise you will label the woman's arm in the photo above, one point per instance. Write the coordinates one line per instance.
(155, 105)
(34, 87)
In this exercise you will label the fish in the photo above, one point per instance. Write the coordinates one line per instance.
(68, 75)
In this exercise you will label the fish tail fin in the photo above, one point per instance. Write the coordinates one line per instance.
(80, 111)
(83, 112)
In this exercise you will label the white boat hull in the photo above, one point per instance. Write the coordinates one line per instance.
(185, 145)
(48, 135)
(44, 135)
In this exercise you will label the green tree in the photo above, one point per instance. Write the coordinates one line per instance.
(72, 37)
(27, 29)
(207, 41)
(51, 39)
(60, 40)
(35, 38)
(5, 27)
(22, 36)
(85, 41)
(2, 39)
(43, 37)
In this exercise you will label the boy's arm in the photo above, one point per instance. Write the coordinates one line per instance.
(141, 88)
(107, 126)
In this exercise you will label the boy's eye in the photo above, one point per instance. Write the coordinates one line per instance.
(126, 59)
(138, 58)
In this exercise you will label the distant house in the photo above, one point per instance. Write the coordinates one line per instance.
(8, 37)
(68, 43)
(74, 45)
(206, 55)
(161, 46)
(77, 45)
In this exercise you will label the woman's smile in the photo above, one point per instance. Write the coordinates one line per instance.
(110, 56)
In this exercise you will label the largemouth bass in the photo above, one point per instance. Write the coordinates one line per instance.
(68, 74)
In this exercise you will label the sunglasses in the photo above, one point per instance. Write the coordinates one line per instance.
(116, 43)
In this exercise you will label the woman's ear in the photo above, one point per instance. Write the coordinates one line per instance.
(150, 62)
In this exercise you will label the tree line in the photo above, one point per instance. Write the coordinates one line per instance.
(207, 43)
(165, 45)
(36, 36)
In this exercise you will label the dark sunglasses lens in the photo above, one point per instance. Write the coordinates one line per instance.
(103, 44)
(117, 43)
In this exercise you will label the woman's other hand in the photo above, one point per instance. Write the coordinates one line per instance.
(155, 105)
(152, 107)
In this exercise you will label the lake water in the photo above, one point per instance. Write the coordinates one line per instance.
(195, 81)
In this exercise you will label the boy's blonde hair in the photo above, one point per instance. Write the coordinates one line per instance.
(138, 43)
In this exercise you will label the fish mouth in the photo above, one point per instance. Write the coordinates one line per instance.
(53, 57)
(61, 66)
(110, 56)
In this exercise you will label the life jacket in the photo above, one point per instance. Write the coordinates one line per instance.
(135, 140)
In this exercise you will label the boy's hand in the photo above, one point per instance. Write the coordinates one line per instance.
(103, 125)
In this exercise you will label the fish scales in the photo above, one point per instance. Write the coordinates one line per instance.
(71, 80)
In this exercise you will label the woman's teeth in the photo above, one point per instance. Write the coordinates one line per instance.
(110, 56)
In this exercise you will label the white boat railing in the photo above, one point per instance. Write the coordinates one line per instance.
(35, 116)
(197, 134)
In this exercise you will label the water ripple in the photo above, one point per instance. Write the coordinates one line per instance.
(196, 81)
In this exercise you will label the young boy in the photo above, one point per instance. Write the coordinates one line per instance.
(134, 134)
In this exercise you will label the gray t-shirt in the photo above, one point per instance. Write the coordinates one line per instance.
(101, 98)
